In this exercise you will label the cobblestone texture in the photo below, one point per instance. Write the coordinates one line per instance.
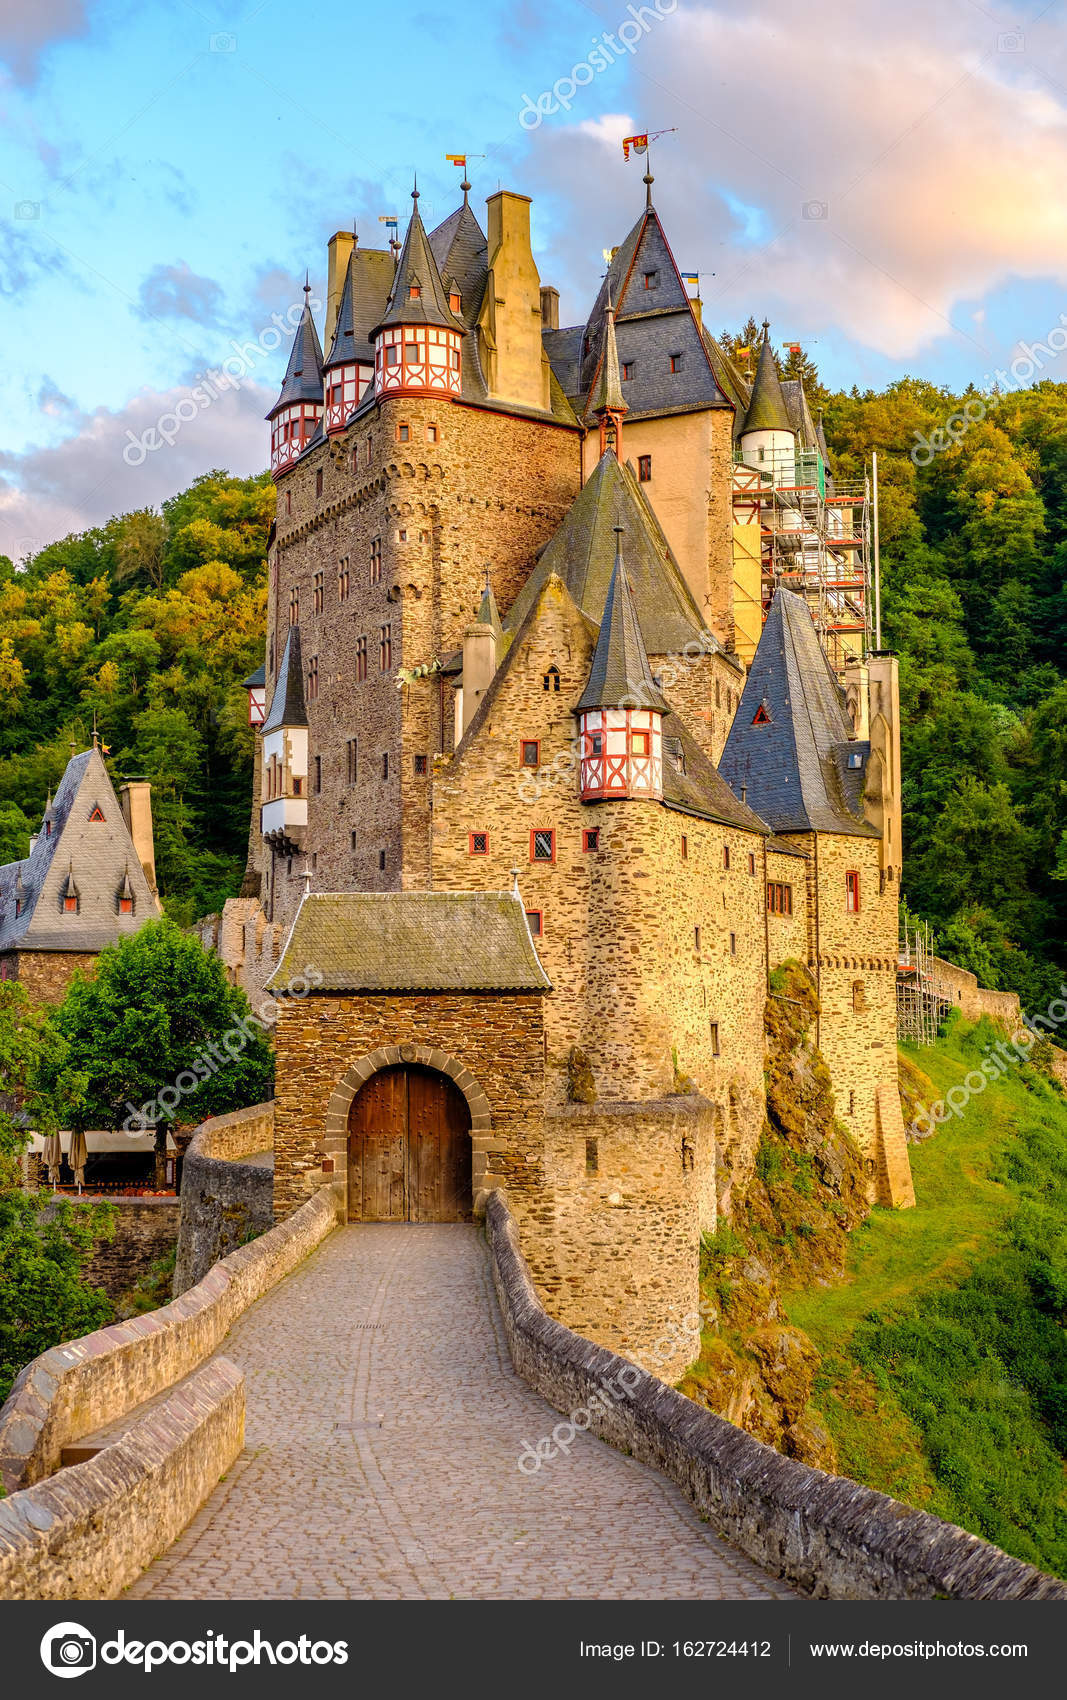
(384, 1424)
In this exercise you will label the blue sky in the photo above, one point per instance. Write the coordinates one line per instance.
(886, 185)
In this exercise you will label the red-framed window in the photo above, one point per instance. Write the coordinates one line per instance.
(644, 468)
(361, 659)
(676, 362)
(385, 648)
(779, 898)
(535, 922)
(455, 301)
(432, 434)
(70, 905)
(529, 752)
(627, 371)
(125, 905)
(478, 844)
(542, 844)
(596, 743)
(403, 433)
(852, 892)
(414, 291)
(684, 847)
(591, 838)
(294, 607)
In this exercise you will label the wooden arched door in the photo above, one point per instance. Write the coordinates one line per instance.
(409, 1149)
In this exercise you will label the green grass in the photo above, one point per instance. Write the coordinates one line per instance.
(944, 1374)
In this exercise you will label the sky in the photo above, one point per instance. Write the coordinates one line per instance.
(883, 182)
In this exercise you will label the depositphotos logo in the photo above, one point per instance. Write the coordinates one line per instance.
(70, 1650)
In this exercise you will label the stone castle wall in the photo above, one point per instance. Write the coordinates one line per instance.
(46, 974)
(962, 991)
(225, 1201)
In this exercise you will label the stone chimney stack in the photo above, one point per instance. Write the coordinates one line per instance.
(340, 249)
(510, 322)
(137, 813)
(857, 699)
(479, 666)
(549, 308)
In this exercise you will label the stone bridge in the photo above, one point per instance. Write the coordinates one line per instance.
(381, 1416)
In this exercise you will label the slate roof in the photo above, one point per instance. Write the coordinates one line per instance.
(259, 677)
(418, 267)
(368, 281)
(413, 941)
(287, 706)
(582, 554)
(607, 395)
(796, 406)
(767, 410)
(460, 247)
(303, 375)
(700, 789)
(96, 857)
(489, 614)
(796, 768)
(620, 675)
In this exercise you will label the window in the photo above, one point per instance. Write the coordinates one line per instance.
(385, 764)
(352, 839)
(313, 678)
(761, 716)
(294, 607)
(852, 1103)
(676, 362)
(779, 899)
(859, 997)
(591, 838)
(96, 813)
(533, 921)
(726, 855)
(592, 1158)
(318, 774)
(640, 743)
(696, 938)
(392, 356)
(385, 648)
(651, 280)
(733, 944)
(70, 905)
(644, 468)
(684, 844)
(414, 292)
(401, 536)
(455, 300)
(751, 864)
(344, 583)
(542, 845)
(530, 753)
(420, 764)
(596, 743)
(298, 787)
(714, 1035)
(403, 433)
(376, 561)
(855, 758)
(478, 844)
(125, 905)
(381, 860)
(550, 680)
(352, 755)
(627, 371)
(318, 482)
(355, 458)
(320, 592)
(431, 433)
(852, 893)
(361, 658)
(288, 501)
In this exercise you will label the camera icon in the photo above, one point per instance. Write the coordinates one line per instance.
(68, 1649)
(27, 209)
(1011, 41)
(815, 209)
(223, 42)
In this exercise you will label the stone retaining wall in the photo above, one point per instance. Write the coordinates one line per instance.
(224, 1201)
(827, 1536)
(146, 1229)
(973, 1001)
(75, 1389)
(88, 1532)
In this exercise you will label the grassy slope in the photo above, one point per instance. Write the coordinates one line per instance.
(942, 1374)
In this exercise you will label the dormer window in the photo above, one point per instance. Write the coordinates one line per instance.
(676, 362)
(651, 280)
(125, 905)
(627, 371)
(70, 905)
(414, 292)
(855, 758)
(455, 300)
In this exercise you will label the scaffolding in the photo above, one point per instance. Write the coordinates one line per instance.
(814, 539)
(923, 1000)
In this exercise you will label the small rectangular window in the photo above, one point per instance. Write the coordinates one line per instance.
(352, 754)
(714, 1027)
(676, 362)
(352, 839)
(343, 580)
(403, 433)
(385, 648)
(318, 482)
(779, 898)
(318, 774)
(420, 765)
(385, 764)
(591, 838)
(751, 863)
(320, 592)
(542, 845)
(596, 743)
(726, 855)
(530, 752)
(651, 280)
(361, 659)
(125, 905)
(644, 468)
(684, 844)
(431, 433)
(70, 904)
(533, 921)
(592, 1157)
(640, 743)
(478, 844)
(733, 944)
(313, 678)
(627, 371)
(381, 860)
(852, 892)
(696, 939)
(288, 501)
(376, 561)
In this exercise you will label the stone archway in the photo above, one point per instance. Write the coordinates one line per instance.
(427, 1056)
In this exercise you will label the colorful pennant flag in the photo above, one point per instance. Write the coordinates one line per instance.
(638, 143)
(457, 159)
(389, 220)
(793, 347)
(691, 278)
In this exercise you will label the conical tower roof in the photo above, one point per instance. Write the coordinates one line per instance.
(767, 410)
(489, 613)
(417, 269)
(303, 375)
(287, 706)
(620, 675)
(607, 391)
(343, 348)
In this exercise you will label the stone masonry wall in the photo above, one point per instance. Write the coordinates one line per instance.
(972, 1000)
(146, 1229)
(225, 1202)
(46, 974)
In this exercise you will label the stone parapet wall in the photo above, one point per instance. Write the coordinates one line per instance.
(89, 1531)
(962, 991)
(827, 1536)
(225, 1202)
(75, 1389)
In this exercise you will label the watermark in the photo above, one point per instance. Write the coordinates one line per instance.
(607, 48)
(27, 209)
(997, 1059)
(1011, 41)
(995, 386)
(818, 210)
(564, 1435)
(68, 1650)
(222, 42)
(210, 385)
(208, 1061)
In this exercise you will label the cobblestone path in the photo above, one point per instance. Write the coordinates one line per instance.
(384, 1422)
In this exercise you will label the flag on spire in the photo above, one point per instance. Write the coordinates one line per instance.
(638, 143)
(457, 159)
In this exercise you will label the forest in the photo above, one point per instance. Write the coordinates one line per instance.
(148, 625)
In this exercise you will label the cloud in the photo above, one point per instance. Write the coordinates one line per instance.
(177, 292)
(903, 162)
(46, 493)
(28, 30)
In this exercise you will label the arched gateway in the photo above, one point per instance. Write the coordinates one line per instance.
(409, 1148)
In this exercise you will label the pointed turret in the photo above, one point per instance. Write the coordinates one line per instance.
(607, 404)
(417, 343)
(69, 893)
(621, 709)
(285, 754)
(489, 613)
(297, 412)
(349, 366)
(766, 410)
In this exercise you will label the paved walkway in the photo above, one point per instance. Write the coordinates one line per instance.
(384, 1423)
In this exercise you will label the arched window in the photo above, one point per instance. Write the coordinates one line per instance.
(550, 680)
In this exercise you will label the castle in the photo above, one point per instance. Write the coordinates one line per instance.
(570, 733)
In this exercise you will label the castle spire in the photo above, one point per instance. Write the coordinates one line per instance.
(766, 409)
(408, 358)
(296, 413)
(621, 709)
(607, 403)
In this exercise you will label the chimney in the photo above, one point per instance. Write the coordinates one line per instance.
(698, 308)
(857, 698)
(479, 665)
(340, 247)
(137, 813)
(549, 308)
(510, 322)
